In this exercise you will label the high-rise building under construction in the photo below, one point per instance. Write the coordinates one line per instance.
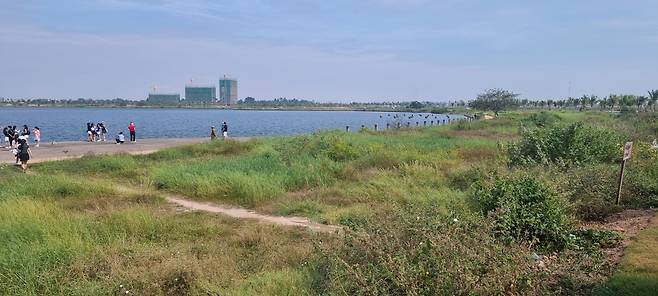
(200, 94)
(228, 91)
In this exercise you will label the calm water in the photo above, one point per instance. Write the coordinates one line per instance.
(69, 124)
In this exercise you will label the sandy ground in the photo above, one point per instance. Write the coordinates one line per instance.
(65, 150)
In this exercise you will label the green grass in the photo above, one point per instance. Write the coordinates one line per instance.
(69, 229)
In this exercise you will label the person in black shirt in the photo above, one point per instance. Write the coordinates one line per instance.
(5, 132)
(24, 154)
(12, 136)
(224, 130)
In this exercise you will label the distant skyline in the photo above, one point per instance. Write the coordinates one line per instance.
(342, 50)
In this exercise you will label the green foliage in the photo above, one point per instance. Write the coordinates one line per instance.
(594, 239)
(641, 181)
(591, 190)
(524, 210)
(564, 145)
(419, 251)
(495, 100)
(543, 119)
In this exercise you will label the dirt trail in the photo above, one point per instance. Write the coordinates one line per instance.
(239, 213)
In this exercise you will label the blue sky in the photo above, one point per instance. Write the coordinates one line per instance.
(338, 50)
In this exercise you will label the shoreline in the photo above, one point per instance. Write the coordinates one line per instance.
(450, 111)
(76, 149)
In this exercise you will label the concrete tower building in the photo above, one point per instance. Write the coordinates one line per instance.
(228, 91)
(200, 94)
(163, 98)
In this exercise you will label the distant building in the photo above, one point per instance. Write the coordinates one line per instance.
(228, 91)
(163, 98)
(200, 94)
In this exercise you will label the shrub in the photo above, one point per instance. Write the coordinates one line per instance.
(463, 179)
(591, 190)
(418, 251)
(596, 238)
(524, 210)
(543, 119)
(568, 145)
(641, 181)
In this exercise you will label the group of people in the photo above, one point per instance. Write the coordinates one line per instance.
(17, 140)
(121, 138)
(213, 131)
(96, 132)
(13, 135)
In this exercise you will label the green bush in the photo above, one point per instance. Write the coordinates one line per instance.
(418, 251)
(543, 119)
(591, 190)
(524, 210)
(641, 181)
(567, 146)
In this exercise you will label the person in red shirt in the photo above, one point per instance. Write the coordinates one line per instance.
(131, 129)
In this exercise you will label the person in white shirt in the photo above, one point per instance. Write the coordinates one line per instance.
(120, 138)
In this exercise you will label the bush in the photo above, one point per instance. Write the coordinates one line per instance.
(524, 210)
(641, 181)
(543, 119)
(418, 251)
(591, 190)
(567, 146)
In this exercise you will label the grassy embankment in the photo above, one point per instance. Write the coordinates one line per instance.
(69, 229)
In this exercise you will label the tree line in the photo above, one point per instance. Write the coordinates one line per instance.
(498, 99)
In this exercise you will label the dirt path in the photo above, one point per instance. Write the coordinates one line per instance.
(241, 213)
(183, 202)
(629, 223)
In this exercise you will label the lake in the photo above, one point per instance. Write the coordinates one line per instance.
(69, 124)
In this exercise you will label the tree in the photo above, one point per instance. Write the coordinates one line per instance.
(418, 105)
(653, 99)
(592, 100)
(495, 100)
(641, 103)
(584, 100)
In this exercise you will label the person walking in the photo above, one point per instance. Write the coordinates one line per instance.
(103, 131)
(224, 130)
(131, 129)
(37, 136)
(89, 132)
(213, 133)
(5, 132)
(24, 153)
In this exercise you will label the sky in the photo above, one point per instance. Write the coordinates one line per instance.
(336, 50)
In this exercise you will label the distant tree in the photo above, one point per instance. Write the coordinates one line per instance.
(496, 100)
(613, 100)
(418, 105)
(653, 99)
(249, 100)
(642, 102)
(592, 100)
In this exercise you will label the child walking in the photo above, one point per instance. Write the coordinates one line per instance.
(37, 136)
